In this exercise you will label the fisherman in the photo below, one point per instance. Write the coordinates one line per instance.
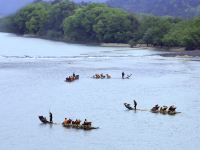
(135, 104)
(65, 121)
(123, 74)
(87, 124)
(78, 121)
(74, 75)
(50, 117)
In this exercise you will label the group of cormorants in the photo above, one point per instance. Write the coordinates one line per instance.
(101, 76)
(164, 109)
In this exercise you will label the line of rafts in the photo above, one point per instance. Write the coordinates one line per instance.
(96, 76)
(69, 123)
(171, 110)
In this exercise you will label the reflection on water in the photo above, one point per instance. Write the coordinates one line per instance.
(32, 83)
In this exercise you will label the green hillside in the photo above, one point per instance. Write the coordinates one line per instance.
(177, 8)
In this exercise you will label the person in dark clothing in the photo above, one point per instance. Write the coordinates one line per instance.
(50, 117)
(74, 75)
(123, 74)
(135, 104)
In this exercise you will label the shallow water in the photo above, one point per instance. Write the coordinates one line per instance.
(32, 73)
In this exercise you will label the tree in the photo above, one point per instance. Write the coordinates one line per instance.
(152, 29)
(185, 34)
(59, 10)
(31, 19)
(97, 22)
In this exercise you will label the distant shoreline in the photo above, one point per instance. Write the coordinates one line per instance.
(170, 52)
(185, 54)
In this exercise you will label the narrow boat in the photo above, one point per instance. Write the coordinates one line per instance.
(83, 127)
(44, 120)
(128, 106)
(71, 78)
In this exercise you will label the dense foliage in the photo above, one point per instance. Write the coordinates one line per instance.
(100, 23)
(185, 34)
(176, 8)
(65, 20)
(168, 32)
(42, 18)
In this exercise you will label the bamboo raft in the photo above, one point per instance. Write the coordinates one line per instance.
(131, 108)
(74, 126)
(71, 79)
(83, 127)
(128, 106)
(44, 120)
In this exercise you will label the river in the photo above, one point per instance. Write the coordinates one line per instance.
(32, 74)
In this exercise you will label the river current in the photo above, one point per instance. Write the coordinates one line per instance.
(32, 74)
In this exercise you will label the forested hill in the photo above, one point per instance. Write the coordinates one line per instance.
(177, 8)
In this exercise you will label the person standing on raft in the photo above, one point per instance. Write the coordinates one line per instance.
(123, 74)
(135, 104)
(50, 117)
(74, 75)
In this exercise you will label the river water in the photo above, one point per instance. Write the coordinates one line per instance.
(32, 73)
